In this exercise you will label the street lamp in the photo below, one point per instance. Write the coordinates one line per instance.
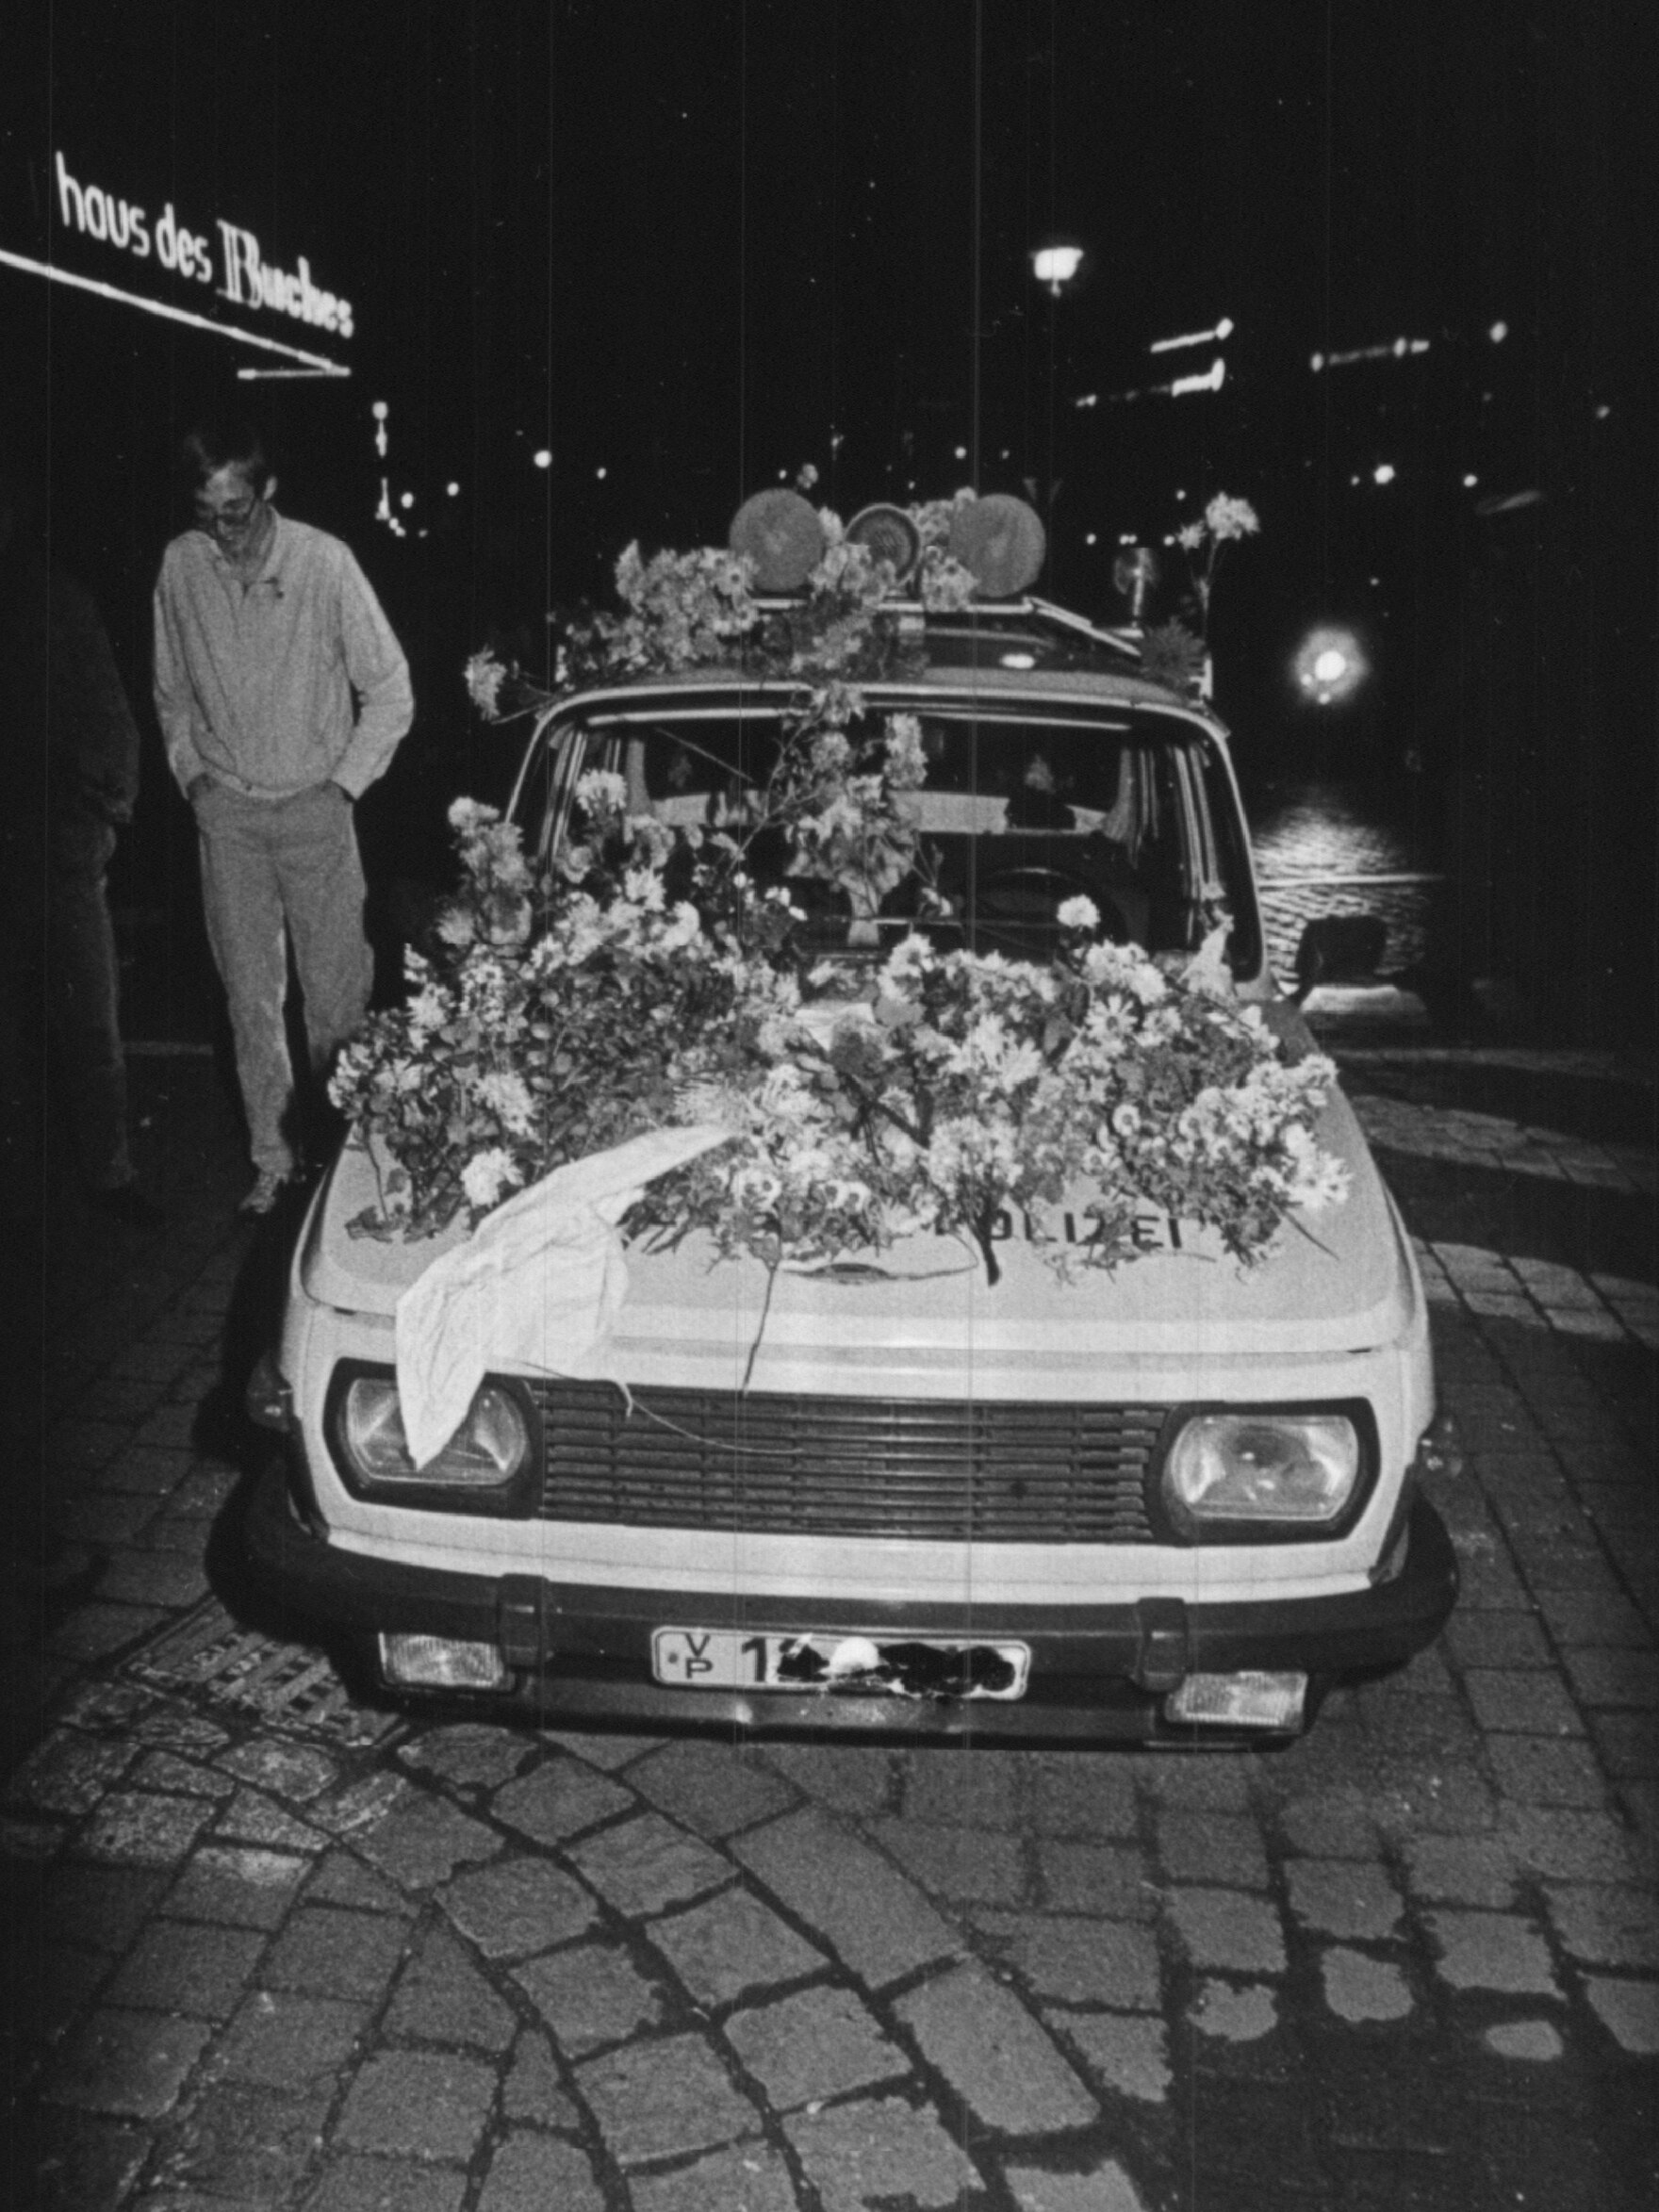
(1056, 266)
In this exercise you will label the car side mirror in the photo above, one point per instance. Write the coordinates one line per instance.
(1339, 948)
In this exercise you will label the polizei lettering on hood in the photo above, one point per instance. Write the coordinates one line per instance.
(243, 274)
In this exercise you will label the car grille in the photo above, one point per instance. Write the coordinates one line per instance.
(918, 1468)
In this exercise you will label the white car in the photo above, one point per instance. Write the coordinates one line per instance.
(1169, 1503)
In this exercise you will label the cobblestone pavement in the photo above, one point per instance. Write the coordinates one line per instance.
(271, 1949)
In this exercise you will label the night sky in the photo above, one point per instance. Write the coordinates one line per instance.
(688, 246)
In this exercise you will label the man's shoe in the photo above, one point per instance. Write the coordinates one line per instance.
(126, 1202)
(269, 1185)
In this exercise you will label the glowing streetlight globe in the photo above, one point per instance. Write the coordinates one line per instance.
(1330, 667)
(1054, 266)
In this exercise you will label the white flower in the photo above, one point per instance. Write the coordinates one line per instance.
(1226, 517)
(644, 886)
(1078, 913)
(487, 1175)
(484, 678)
(1191, 537)
(600, 790)
(472, 814)
(507, 1096)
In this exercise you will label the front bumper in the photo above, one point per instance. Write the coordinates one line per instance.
(581, 1655)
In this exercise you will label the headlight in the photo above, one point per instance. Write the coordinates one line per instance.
(483, 1456)
(1297, 1467)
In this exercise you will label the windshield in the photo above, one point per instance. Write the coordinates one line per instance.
(1019, 811)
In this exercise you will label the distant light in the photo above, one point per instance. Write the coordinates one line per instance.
(1223, 329)
(453, 490)
(407, 500)
(1400, 349)
(1498, 333)
(1470, 481)
(541, 458)
(1602, 412)
(601, 473)
(1019, 659)
(1086, 399)
(378, 410)
(1383, 473)
(1316, 362)
(962, 453)
(1091, 539)
(1054, 266)
(1211, 381)
(1330, 667)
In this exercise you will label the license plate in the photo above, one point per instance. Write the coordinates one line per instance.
(896, 1667)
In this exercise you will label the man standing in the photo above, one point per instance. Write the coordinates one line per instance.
(72, 778)
(282, 694)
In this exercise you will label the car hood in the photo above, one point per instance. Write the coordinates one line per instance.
(925, 1316)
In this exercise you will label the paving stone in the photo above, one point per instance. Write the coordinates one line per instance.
(1212, 1847)
(1344, 1897)
(530, 2173)
(80, 2164)
(663, 2098)
(1539, 1770)
(100, 1631)
(1614, 1676)
(1360, 1988)
(289, 2042)
(715, 1788)
(731, 1945)
(853, 1778)
(341, 1879)
(102, 1516)
(422, 1841)
(533, 2090)
(423, 2103)
(469, 1754)
(1572, 1846)
(1116, 1879)
(1335, 1823)
(1199, 1781)
(589, 1996)
(871, 2152)
(387, 2185)
(1605, 1926)
(247, 1887)
(1533, 2041)
(442, 1998)
(647, 1864)
(1125, 2052)
(1076, 1961)
(126, 2062)
(45, 1986)
(749, 2178)
(251, 1817)
(966, 1864)
(166, 1770)
(177, 1966)
(286, 1770)
(1233, 2015)
(819, 2043)
(1228, 1928)
(1499, 1640)
(152, 1578)
(1082, 1793)
(103, 1906)
(1463, 1870)
(1575, 1620)
(998, 2057)
(1629, 2011)
(243, 2141)
(1492, 1951)
(1105, 2188)
(559, 1800)
(875, 1920)
(144, 1829)
(518, 1906)
(1522, 1699)
(330, 1952)
(966, 1785)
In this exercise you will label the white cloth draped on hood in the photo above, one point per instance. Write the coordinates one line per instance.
(537, 1284)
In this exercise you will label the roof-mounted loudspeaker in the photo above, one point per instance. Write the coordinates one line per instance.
(999, 540)
(890, 536)
(781, 535)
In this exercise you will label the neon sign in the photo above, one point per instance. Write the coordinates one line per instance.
(244, 276)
